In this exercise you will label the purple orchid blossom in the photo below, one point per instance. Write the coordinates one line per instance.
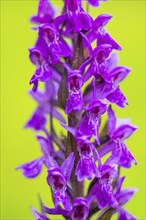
(90, 123)
(56, 46)
(38, 119)
(123, 196)
(45, 12)
(119, 131)
(34, 168)
(107, 75)
(75, 18)
(57, 178)
(79, 210)
(86, 167)
(102, 189)
(74, 58)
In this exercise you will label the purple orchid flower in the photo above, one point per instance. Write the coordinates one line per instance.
(45, 12)
(98, 24)
(33, 168)
(90, 122)
(56, 46)
(74, 84)
(108, 75)
(119, 131)
(104, 38)
(57, 178)
(123, 196)
(37, 120)
(99, 55)
(44, 100)
(86, 167)
(39, 57)
(99, 33)
(102, 189)
(124, 215)
(74, 17)
(79, 210)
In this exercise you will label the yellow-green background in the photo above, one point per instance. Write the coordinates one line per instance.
(19, 145)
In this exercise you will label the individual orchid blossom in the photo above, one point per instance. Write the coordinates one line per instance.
(57, 178)
(86, 167)
(45, 12)
(79, 210)
(119, 131)
(102, 189)
(75, 59)
(74, 17)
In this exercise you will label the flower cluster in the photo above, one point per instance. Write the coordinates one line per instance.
(75, 58)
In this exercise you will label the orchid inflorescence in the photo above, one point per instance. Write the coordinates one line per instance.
(74, 58)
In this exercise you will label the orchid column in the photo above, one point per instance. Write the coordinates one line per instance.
(82, 80)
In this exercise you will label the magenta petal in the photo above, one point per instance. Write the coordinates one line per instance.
(122, 156)
(50, 162)
(65, 50)
(38, 215)
(124, 131)
(74, 102)
(80, 209)
(43, 73)
(124, 215)
(59, 20)
(66, 201)
(31, 169)
(118, 98)
(119, 185)
(112, 62)
(86, 168)
(107, 148)
(46, 146)
(67, 166)
(101, 20)
(56, 211)
(105, 196)
(86, 20)
(104, 38)
(45, 12)
(102, 52)
(56, 114)
(39, 96)
(37, 121)
(125, 195)
(111, 121)
(89, 72)
(94, 3)
(104, 89)
(119, 73)
(62, 197)
(70, 129)
(91, 35)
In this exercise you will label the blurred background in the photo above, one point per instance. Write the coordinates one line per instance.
(19, 145)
